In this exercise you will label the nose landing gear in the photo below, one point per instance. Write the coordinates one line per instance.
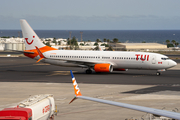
(158, 73)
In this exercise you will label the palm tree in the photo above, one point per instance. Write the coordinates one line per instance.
(167, 41)
(104, 40)
(54, 41)
(173, 41)
(115, 40)
(176, 44)
(97, 40)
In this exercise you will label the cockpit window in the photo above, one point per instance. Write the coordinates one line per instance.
(165, 58)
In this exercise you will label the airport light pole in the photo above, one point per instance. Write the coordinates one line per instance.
(81, 35)
(70, 38)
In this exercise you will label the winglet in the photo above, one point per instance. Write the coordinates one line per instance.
(40, 54)
(76, 88)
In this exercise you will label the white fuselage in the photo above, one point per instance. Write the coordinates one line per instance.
(118, 59)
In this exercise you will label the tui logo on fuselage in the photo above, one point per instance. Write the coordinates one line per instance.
(146, 57)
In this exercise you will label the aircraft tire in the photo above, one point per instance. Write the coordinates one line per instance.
(158, 73)
(88, 71)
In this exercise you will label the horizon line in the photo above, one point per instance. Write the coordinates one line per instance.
(94, 30)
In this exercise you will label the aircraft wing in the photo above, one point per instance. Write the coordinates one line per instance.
(80, 62)
(89, 63)
(153, 111)
(21, 51)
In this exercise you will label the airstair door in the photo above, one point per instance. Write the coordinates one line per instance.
(153, 59)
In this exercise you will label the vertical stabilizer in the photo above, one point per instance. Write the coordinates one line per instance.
(30, 38)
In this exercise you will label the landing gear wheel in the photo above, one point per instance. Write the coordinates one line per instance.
(158, 73)
(88, 71)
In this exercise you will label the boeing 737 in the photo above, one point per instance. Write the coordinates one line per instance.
(99, 61)
(156, 112)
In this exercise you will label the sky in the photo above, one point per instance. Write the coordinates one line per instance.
(91, 14)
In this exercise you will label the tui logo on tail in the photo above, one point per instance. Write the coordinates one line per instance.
(29, 43)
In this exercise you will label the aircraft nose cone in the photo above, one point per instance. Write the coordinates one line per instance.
(173, 63)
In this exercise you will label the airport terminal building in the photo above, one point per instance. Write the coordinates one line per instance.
(138, 46)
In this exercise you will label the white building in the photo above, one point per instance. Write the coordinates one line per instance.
(12, 40)
(12, 44)
(61, 40)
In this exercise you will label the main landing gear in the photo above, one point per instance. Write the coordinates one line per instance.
(88, 71)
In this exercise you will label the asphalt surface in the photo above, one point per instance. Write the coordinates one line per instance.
(21, 77)
(22, 69)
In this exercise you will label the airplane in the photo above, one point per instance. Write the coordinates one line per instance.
(99, 61)
(155, 112)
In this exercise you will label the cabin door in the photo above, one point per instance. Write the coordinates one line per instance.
(153, 59)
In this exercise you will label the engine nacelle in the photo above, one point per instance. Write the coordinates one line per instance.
(103, 67)
(120, 69)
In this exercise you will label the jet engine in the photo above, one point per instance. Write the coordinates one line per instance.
(103, 67)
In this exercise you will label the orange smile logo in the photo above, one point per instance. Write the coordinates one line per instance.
(29, 43)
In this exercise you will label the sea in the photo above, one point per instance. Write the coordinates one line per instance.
(125, 36)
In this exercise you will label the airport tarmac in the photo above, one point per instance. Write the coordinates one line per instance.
(21, 77)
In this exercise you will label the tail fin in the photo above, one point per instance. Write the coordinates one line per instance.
(76, 88)
(31, 39)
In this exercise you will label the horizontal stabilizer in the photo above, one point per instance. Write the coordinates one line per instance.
(21, 51)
